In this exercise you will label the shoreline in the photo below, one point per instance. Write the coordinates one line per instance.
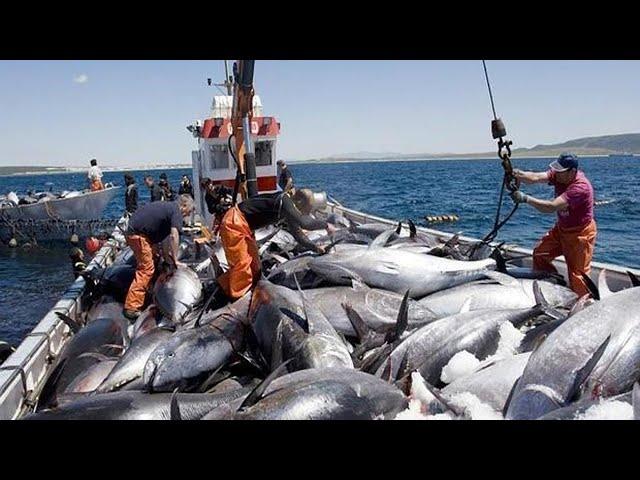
(69, 170)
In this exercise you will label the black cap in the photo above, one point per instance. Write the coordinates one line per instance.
(566, 161)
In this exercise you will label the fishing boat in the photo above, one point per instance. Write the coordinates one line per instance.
(24, 373)
(53, 218)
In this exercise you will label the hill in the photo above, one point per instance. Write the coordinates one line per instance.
(628, 143)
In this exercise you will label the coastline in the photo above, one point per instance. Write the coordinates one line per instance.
(67, 170)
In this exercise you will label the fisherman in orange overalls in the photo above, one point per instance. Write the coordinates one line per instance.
(151, 225)
(236, 225)
(95, 176)
(574, 234)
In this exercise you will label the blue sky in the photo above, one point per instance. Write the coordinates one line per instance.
(135, 112)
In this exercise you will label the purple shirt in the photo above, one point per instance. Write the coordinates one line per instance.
(579, 196)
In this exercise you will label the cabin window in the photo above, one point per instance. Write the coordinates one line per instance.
(218, 156)
(264, 153)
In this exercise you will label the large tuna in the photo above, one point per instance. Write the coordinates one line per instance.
(597, 346)
(398, 270)
(175, 293)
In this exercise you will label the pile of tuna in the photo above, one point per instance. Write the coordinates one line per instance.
(388, 324)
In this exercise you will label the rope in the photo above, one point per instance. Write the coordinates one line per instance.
(497, 224)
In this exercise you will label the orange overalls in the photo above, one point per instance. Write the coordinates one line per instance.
(241, 250)
(144, 251)
(97, 185)
(576, 244)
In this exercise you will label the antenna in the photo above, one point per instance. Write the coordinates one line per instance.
(227, 80)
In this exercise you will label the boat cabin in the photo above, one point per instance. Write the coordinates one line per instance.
(212, 159)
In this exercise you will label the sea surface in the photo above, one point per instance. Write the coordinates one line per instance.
(31, 281)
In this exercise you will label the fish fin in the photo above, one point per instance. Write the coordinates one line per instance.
(398, 228)
(583, 373)
(603, 287)
(69, 322)
(386, 373)
(466, 306)
(635, 281)
(111, 345)
(452, 242)
(510, 396)
(542, 304)
(253, 348)
(301, 322)
(593, 289)
(209, 382)
(402, 321)
(382, 239)
(501, 263)
(257, 393)
(502, 278)
(413, 231)
(582, 303)
(206, 305)
(359, 325)
(96, 355)
(174, 409)
(458, 412)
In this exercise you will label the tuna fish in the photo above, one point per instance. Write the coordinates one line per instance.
(138, 406)
(131, 365)
(399, 270)
(176, 293)
(186, 358)
(377, 308)
(431, 347)
(499, 292)
(493, 383)
(593, 343)
(325, 394)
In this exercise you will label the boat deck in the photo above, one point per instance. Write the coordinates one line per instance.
(22, 375)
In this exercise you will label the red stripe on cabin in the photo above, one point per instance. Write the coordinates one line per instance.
(209, 129)
(265, 184)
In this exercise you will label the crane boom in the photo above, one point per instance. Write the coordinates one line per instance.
(241, 115)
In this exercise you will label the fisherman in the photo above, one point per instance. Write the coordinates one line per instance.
(130, 194)
(157, 193)
(574, 234)
(237, 224)
(95, 176)
(152, 226)
(285, 179)
(77, 260)
(164, 185)
(185, 186)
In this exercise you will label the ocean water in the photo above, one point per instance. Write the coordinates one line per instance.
(32, 281)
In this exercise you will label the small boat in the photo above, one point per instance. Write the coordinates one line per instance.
(55, 218)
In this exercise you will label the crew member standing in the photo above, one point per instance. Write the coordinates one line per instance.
(236, 227)
(157, 193)
(285, 179)
(185, 186)
(95, 176)
(574, 234)
(151, 225)
(130, 194)
(166, 188)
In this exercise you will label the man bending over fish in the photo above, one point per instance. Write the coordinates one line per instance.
(236, 225)
(574, 234)
(151, 225)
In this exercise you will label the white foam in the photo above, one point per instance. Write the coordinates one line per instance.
(608, 410)
(461, 364)
(419, 391)
(510, 339)
(474, 408)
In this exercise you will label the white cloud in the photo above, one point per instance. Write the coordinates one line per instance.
(82, 78)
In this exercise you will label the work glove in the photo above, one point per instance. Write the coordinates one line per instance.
(519, 197)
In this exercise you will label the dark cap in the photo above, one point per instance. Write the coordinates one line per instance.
(566, 161)
(280, 162)
(163, 176)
